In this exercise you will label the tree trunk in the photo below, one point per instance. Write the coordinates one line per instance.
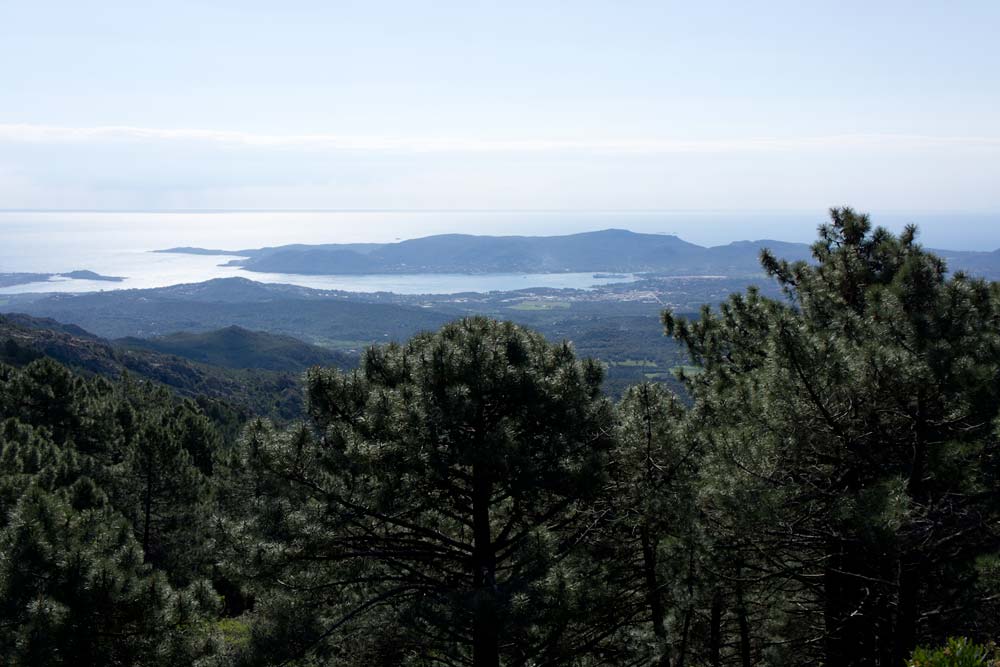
(908, 581)
(147, 507)
(653, 598)
(715, 640)
(689, 612)
(746, 658)
(685, 635)
(485, 633)
(850, 616)
(831, 608)
(905, 631)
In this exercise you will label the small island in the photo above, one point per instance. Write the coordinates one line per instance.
(14, 279)
(83, 274)
(188, 250)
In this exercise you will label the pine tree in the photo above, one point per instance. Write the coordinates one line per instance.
(440, 487)
(165, 496)
(655, 531)
(74, 591)
(75, 588)
(861, 415)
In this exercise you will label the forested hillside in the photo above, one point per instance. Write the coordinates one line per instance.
(215, 304)
(236, 347)
(238, 323)
(825, 492)
(251, 391)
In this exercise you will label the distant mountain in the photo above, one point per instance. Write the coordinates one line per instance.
(610, 250)
(313, 261)
(982, 264)
(236, 347)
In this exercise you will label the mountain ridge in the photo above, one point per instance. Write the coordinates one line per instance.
(612, 250)
(236, 347)
(24, 338)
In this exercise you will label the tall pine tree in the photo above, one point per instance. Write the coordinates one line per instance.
(862, 413)
(444, 485)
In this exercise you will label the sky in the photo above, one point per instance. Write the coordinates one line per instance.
(625, 105)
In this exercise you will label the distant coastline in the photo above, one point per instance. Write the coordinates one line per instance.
(187, 250)
(608, 253)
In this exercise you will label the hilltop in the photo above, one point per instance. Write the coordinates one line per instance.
(236, 347)
(194, 367)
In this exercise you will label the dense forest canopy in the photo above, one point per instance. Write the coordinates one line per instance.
(825, 491)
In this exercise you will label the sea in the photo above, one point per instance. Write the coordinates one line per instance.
(120, 243)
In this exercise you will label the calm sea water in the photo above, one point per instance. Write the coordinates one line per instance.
(119, 243)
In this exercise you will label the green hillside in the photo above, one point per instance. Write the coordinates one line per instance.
(236, 347)
(24, 339)
(319, 317)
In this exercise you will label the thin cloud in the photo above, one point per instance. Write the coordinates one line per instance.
(49, 134)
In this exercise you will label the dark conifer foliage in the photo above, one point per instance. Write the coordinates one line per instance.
(652, 527)
(83, 581)
(445, 484)
(856, 426)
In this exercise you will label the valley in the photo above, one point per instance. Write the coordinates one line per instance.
(616, 324)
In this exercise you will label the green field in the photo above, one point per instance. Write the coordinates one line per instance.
(541, 305)
(342, 345)
(634, 363)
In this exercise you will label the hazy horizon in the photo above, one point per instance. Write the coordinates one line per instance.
(524, 106)
(44, 232)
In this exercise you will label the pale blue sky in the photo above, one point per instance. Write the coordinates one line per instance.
(888, 106)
